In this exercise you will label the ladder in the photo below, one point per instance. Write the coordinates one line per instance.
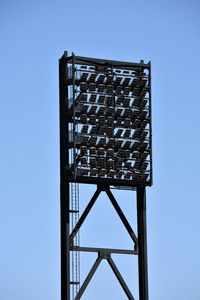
(75, 255)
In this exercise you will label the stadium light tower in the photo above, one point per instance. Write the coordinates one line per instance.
(105, 140)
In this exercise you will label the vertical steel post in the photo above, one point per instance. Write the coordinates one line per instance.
(142, 243)
(64, 184)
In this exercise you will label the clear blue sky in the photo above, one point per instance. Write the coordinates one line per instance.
(34, 35)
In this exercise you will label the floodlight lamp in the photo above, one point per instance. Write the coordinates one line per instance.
(84, 139)
(84, 129)
(92, 77)
(111, 173)
(118, 90)
(93, 140)
(144, 155)
(118, 80)
(110, 121)
(84, 109)
(93, 98)
(92, 151)
(93, 161)
(126, 91)
(135, 145)
(101, 88)
(94, 172)
(126, 101)
(109, 101)
(83, 118)
(127, 133)
(101, 120)
(92, 87)
(101, 151)
(102, 130)
(110, 132)
(85, 170)
(144, 103)
(102, 142)
(83, 86)
(101, 110)
(119, 122)
(109, 89)
(119, 174)
(126, 81)
(110, 163)
(119, 163)
(84, 97)
(111, 142)
(144, 166)
(127, 153)
(102, 172)
(118, 111)
(109, 79)
(84, 76)
(93, 119)
(118, 143)
(101, 99)
(101, 162)
(127, 144)
(83, 160)
(93, 130)
(100, 78)
(135, 154)
(83, 150)
(92, 109)
(127, 122)
(128, 164)
(110, 152)
(110, 111)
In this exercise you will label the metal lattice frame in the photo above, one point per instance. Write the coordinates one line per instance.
(71, 141)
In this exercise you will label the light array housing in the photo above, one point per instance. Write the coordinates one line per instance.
(108, 116)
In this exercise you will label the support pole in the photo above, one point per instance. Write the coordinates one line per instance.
(142, 243)
(64, 187)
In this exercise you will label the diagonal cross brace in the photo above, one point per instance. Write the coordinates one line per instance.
(122, 217)
(107, 256)
(88, 278)
(120, 278)
(84, 214)
(117, 208)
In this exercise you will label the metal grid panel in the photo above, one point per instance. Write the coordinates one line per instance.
(109, 107)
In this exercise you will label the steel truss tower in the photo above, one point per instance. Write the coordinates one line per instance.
(105, 140)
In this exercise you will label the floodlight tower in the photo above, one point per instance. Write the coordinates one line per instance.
(105, 140)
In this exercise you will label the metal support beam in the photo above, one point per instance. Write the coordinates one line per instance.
(118, 64)
(89, 277)
(114, 251)
(64, 189)
(122, 217)
(142, 241)
(120, 278)
(84, 214)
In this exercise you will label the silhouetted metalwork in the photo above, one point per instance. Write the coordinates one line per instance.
(105, 140)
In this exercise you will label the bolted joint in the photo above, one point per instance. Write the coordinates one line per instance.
(104, 254)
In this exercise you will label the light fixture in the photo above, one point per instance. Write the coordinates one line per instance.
(111, 121)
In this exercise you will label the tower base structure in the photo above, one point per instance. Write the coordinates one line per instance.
(105, 140)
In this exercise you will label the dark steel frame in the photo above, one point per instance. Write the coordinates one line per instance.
(139, 241)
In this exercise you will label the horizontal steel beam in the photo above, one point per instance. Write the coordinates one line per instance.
(105, 250)
(110, 63)
(133, 184)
